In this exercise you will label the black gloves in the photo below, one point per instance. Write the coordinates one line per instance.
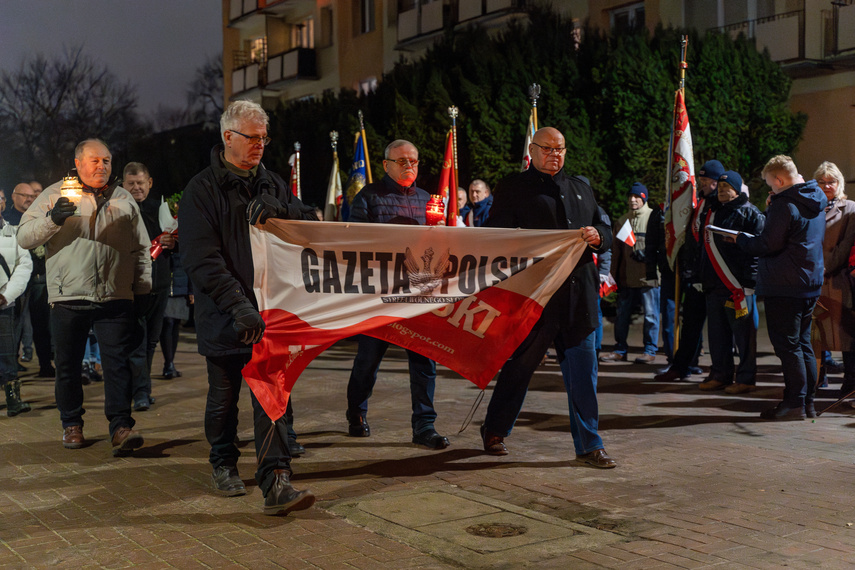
(248, 323)
(265, 206)
(62, 210)
(638, 255)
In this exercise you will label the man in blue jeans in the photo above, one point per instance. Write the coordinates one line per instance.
(629, 268)
(393, 200)
(789, 278)
(545, 197)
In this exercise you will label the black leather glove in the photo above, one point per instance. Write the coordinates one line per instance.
(248, 323)
(265, 206)
(62, 210)
(638, 256)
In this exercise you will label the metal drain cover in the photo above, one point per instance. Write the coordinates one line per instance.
(496, 530)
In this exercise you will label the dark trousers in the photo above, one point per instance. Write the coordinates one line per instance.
(169, 340)
(788, 320)
(149, 325)
(666, 313)
(369, 354)
(694, 312)
(40, 317)
(115, 328)
(221, 422)
(8, 347)
(725, 333)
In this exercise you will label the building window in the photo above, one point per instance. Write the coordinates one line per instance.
(627, 18)
(258, 50)
(303, 34)
(364, 18)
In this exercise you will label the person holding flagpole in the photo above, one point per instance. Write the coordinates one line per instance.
(728, 275)
(546, 197)
(630, 271)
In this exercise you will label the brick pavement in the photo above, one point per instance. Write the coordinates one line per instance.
(701, 481)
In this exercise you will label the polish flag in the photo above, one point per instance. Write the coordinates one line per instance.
(626, 235)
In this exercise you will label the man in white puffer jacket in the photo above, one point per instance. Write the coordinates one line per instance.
(98, 260)
(14, 276)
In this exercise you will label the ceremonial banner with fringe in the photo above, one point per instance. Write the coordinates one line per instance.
(680, 195)
(464, 300)
(358, 175)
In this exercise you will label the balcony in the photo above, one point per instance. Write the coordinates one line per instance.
(247, 78)
(241, 11)
(298, 63)
(782, 34)
(426, 20)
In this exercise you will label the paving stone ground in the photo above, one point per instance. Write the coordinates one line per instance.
(701, 481)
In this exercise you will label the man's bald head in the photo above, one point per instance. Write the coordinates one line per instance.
(23, 196)
(547, 150)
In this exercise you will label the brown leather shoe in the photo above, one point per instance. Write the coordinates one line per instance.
(739, 388)
(493, 444)
(613, 357)
(713, 384)
(597, 458)
(125, 440)
(645, 359)
(72, 437)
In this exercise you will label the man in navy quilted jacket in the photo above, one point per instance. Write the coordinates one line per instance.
(393, 200)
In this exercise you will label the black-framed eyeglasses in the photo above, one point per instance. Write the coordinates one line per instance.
(404, 161)
(547, 150)
(264, 141)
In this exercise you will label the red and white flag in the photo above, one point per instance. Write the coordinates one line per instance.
(529, 135)
(465, 302)
(681, 197)
(625, 234)
(447, 182)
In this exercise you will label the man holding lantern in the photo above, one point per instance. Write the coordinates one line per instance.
(393, 200)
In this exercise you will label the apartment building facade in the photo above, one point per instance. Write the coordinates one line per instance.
(283, 50)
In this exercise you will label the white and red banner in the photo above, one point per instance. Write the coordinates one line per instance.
(463, 300)
(681, 197)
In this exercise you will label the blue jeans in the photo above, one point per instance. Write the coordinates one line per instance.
(598, 334)
(650, 302)
(150, 326)
(727, 332)
(578, 367)
(114, 326)
(788, 320)
(369, 354)
(221, 420)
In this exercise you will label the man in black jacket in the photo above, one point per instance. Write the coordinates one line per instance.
(545, 197)
(216, 211)
(137, 180)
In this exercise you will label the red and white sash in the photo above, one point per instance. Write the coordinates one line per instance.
(737, 293)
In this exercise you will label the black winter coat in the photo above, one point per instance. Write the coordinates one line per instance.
(215, 247)
(535, 200)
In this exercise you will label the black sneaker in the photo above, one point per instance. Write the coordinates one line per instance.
(783, 413)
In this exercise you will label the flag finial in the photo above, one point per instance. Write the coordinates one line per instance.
(334, 140)
(533, 93)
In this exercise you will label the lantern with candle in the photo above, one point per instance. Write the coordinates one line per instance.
(73, 190)
(435, 211)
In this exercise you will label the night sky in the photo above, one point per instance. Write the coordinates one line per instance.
(156, 44)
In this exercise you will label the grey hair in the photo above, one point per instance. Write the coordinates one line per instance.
(481, 183)
(395, 144)
(240, 111)
(81, 146)
(830, 169)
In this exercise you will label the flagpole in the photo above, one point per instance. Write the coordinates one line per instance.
(334, 145)
(452, 194)
(299, 192)
(365, 145)
(533, 94)
(684, 44)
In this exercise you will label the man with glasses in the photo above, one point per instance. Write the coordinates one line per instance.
(22, 196)
(393, 200)
(215, 213)
(545, 197)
